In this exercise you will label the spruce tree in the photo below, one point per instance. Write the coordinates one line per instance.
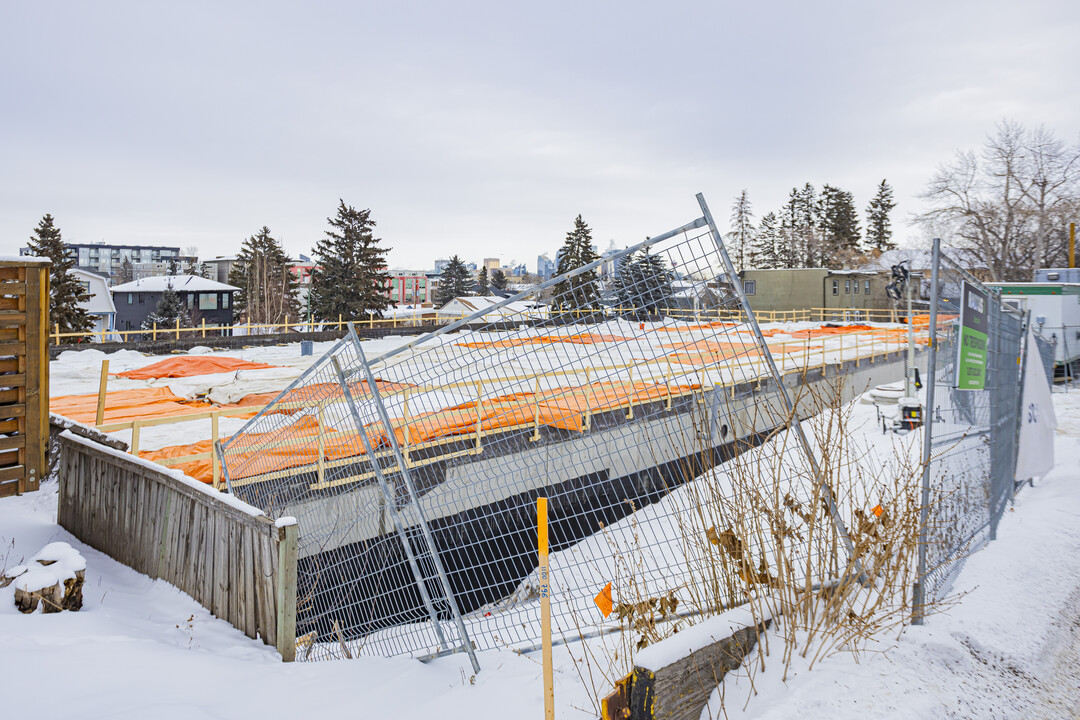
(126, 273)
(453, 283)
(878, 227)
(741, 236)
(498, 279)
(482, 286)
(65, 291)
(766, 251)
(643, 285)
(350, 278)
(169, 310)
(267, 288)
(840, 236)
(581, 292)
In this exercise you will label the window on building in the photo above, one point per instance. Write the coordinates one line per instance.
(749, 286)
(866, 287)
(856, 287)
(131, 298)
(141, 298)
(225, 301)
(847, 287)
(835, 287)
(208, 301)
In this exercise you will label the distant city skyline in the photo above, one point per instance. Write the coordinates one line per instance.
(484, 129)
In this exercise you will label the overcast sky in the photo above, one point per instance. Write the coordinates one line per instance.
(484, 128)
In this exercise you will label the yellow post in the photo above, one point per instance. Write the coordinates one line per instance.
(99, 418)
(545, 606)
(215, 433)
(536, 410)
(204, 327)
(1072, 245)
(57, 334)
(479, 407)
(155, 332)
(667, 381)
(136, 426)
(177, 328)
(286, 323)
(322, 448)
(588, 401)
(339, 323)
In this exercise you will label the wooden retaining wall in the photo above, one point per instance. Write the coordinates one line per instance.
(222, 552)
(24, 374)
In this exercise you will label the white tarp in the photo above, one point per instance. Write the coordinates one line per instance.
(1038, 423)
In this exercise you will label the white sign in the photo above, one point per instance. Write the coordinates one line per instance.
(1035, 456)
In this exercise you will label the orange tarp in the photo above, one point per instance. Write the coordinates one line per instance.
(562, 408)
(827, 331)
(123, 405)
(189, 365)
(310, 394)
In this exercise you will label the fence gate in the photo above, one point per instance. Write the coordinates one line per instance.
(24, 374)
(972, 412)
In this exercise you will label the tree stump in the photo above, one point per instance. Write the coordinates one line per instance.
(53, 579)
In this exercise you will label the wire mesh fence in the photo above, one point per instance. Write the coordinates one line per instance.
(973, 400)
(414, 475)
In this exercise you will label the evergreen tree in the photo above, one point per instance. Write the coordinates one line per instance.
(838, 221)
(453, 283)
(498, 279)
(169, 310)
(482, 286)
(878, 227)
(582, 291)
(643, 285)
(768, 243)
(126, 273)
(174, 267)
(268, 289)
(350, 277)
(65, 291)
(742, 231)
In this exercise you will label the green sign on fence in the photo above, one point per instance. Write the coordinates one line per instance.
(971, 357)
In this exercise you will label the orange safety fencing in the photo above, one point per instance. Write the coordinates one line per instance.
(188, 366)
(581, 339)
(124, 405)
(563, 408)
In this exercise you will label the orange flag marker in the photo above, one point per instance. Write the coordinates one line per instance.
(603, 600)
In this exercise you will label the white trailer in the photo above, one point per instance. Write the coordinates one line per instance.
(1055, 311)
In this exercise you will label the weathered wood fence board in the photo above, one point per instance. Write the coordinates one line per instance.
(227, 556)
(24, 374)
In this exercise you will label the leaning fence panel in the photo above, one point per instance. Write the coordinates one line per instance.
(414, 475)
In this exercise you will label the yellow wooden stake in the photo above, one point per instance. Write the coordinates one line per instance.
(99, 418)
(545, 606)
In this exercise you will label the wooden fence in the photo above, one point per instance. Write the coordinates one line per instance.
(24, 374)
(223, 553)
(436, 318)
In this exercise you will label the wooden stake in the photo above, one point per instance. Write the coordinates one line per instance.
(322, 448)
(215, 467)
(136, 426)
(545, 606)
(99, 418)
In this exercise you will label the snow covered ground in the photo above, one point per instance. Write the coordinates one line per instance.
(1008, 648)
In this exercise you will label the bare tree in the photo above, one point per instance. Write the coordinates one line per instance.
(1009, 203)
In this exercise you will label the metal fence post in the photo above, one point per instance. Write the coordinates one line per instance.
(918, 596)
(795, 423)
(388, 495)
(466, 643)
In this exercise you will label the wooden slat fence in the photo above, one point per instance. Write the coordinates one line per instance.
(24, 374)
(223, 553)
